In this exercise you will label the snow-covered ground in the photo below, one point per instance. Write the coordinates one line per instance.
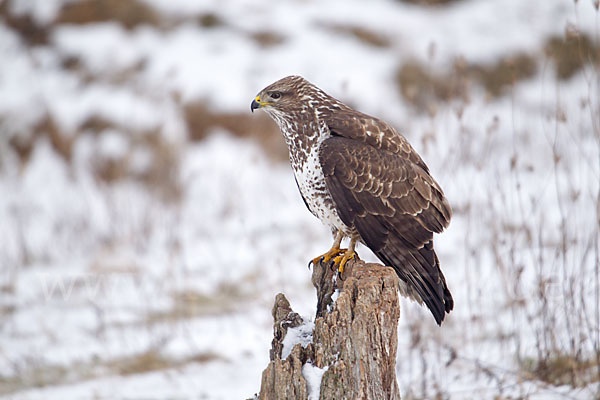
(159, 285)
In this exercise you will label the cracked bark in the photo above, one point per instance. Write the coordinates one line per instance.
(354, 339)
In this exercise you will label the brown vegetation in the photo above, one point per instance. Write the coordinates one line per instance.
(424, 89)
(161, 173)
(571, 53)
(45, 127)
(496, 78)
(24, 25)
(364, 35)
(201, 121)
(159, 176)
(267, 38)
(186, 304)
(562, 369)
(148, 361)
(209, 20)
(129, 13)
(154, 360)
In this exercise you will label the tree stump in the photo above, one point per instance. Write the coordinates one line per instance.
(350, 350)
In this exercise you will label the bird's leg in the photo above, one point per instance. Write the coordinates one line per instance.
(350, 254)
(333, 252)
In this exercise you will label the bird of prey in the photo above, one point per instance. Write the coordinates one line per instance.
(363, 180)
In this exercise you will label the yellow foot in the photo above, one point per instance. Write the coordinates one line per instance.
(341, 260)
(333, 252)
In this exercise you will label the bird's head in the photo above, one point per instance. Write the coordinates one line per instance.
(281, 97)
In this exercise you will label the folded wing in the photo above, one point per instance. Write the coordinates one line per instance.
(382, 187)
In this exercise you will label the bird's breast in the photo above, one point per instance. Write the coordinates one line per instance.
(304, 136)
(312, 185)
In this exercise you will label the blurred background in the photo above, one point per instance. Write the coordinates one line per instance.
(147, 219)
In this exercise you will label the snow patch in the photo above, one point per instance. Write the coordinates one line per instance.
(334, 298)
(313, 376)
(335, 295)
(302, 334)
(113, 145)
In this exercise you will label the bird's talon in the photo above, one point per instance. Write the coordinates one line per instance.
(342, 260)
(327, 257)
(331, 264)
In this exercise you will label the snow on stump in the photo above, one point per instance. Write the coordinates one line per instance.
(350, 350)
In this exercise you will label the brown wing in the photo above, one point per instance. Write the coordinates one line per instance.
(382, 187)
(374, 132)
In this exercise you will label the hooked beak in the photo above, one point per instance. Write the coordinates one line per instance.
(255, 104)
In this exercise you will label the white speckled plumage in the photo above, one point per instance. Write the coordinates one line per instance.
(304, 136)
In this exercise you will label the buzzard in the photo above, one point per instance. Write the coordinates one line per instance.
(363, 179)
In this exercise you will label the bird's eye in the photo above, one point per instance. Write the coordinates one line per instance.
(275, 95)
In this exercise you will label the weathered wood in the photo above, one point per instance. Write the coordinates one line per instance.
(283, 318)
(354, 339)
